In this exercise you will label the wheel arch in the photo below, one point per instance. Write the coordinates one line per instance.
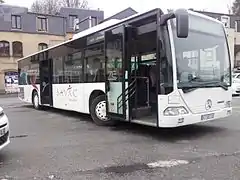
(93, 95)
(34, 91)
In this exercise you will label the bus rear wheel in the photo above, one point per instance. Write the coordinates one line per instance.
(35, 101)
(98, 111)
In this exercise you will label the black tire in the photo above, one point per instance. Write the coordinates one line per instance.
(35, 101)
(97, 102)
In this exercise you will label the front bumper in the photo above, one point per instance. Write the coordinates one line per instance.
(4, 127)
(175, 121)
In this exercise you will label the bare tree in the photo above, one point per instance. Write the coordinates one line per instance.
(1, 1)
(46, 6)
(53, 6)
(75, 3)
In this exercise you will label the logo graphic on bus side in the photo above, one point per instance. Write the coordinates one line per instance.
(208, 104)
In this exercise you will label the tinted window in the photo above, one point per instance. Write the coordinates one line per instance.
(58, 75)
(68, 62)
(94, 64)
(4, 48)
(73, 66)
(28, 71)
(17, 49)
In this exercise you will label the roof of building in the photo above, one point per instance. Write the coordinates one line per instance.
(121, 12)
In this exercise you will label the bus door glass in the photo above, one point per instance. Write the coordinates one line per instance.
(45, 79)
(115, 73)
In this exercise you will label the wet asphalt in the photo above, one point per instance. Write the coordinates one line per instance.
(54, 144)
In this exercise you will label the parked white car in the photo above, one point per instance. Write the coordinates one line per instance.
(4, 129)
(236, 84)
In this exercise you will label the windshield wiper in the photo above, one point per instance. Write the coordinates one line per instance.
(218, 83)
(194, 81)
(200, 84)
(189, 89)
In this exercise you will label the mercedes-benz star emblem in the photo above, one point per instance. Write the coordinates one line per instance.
(208, 104)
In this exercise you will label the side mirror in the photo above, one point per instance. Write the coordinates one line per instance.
(182, 23)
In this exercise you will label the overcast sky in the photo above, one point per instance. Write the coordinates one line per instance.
(111, 7)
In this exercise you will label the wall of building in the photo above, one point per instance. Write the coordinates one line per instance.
(58, 29)
(233, 29)
(122, 14)
(81, 14)
(29, 21)
(30, 44)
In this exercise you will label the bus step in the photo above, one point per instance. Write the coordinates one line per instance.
(141, 112)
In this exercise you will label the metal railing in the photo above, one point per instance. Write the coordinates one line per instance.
(131, 90)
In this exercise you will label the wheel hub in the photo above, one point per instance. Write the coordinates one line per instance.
(100, 110)
(36, 101)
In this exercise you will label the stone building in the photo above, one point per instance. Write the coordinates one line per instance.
(23, 32)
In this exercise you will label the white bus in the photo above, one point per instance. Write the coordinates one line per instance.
(159, 69)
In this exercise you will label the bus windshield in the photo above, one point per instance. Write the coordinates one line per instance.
(203, 57)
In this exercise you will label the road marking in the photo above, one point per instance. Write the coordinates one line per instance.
(51, 177)
(168, 164)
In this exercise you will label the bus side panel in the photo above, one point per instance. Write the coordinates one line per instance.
(26, 95)
(88, 89)
(68, 97)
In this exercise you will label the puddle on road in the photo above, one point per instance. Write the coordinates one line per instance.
(18, 136)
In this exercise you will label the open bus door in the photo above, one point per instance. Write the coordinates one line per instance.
(45, 67)
(116, 76)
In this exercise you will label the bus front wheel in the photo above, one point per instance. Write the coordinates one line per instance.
(98, 111)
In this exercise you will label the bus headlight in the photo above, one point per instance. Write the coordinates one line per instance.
(228, 104)
(174, 111)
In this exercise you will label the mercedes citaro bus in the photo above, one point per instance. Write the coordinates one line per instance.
(161, 69)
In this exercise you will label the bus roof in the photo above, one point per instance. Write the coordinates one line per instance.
(89, 31)
(108, 24)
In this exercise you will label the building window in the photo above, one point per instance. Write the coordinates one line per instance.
(4, 49)
(17, 49)
(16, 22)
(42, 24)
(94, 21)
(72, 19)
(42, 46)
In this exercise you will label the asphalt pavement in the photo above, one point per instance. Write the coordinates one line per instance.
(54, 144)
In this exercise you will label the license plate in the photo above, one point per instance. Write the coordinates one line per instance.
(207, 116)
(2, 131)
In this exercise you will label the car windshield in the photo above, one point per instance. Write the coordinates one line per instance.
(203, 57)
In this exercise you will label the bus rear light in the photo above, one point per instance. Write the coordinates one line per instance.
(175, 111)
